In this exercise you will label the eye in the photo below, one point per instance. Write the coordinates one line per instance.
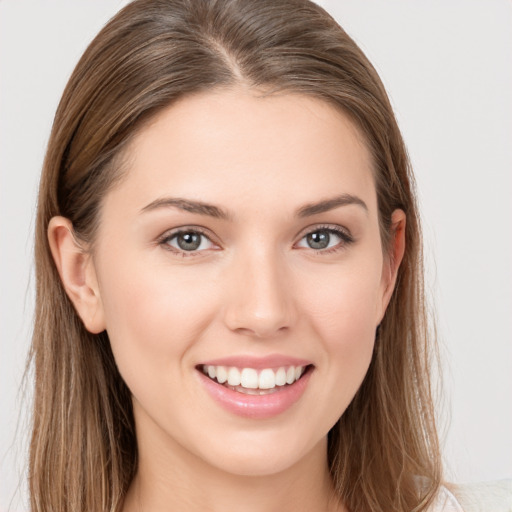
(187, 241)
(322, 239)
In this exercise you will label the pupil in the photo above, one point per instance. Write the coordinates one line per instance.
(189, 241)
(318, 239)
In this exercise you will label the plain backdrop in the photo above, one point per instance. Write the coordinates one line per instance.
(447, 67)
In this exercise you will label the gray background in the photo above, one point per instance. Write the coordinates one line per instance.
(447, 67)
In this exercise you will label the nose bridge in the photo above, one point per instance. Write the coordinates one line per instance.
(260, 303)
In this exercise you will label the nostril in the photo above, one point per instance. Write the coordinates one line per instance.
(262, 330)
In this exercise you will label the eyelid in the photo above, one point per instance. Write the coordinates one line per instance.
(163, 240)
(338, 230)
(328, 227)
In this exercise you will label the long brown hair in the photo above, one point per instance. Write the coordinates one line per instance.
(383, 452)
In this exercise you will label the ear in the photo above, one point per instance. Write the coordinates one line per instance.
(77, 273)
(394, 258)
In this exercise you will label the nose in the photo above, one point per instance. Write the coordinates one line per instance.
(261, 302)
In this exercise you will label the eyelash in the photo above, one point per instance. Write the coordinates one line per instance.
(167, 237)
(345, 236)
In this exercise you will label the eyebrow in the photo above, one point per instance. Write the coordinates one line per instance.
(330, 204)
(211, 210)
(188, 205)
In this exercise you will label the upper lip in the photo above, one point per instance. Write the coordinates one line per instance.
(258, 363)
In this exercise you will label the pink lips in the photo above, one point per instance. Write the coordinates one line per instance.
(258, 363)
(256, 406)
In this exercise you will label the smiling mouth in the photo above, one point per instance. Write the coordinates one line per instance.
(250, 381)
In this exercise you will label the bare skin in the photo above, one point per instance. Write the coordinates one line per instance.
(280, 176)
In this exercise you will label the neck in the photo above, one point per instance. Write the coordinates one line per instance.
(175, 479)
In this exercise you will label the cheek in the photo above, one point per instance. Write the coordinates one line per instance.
(153, 319)
(344, 313)
(345, 302)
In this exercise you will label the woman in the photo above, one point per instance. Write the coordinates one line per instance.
(229, 285)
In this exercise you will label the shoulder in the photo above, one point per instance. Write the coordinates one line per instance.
(445, 502)
(478, 497)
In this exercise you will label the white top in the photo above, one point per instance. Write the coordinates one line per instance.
(480, 497)
(445, 502)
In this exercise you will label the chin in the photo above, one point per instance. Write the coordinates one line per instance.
(259, 455)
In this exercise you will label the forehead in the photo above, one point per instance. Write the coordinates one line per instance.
(237, 147)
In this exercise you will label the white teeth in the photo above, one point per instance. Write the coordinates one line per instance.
(222, 374)
(267, 379)
(281, 377)
(234, 378)
(247, 391)
(252, 379)
(249, 378)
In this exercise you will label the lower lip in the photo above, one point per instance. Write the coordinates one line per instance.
(256, 406)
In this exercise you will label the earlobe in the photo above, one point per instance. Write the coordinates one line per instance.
(394, 259)
(77, 273)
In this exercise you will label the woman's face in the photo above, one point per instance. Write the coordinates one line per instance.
(243, 243)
